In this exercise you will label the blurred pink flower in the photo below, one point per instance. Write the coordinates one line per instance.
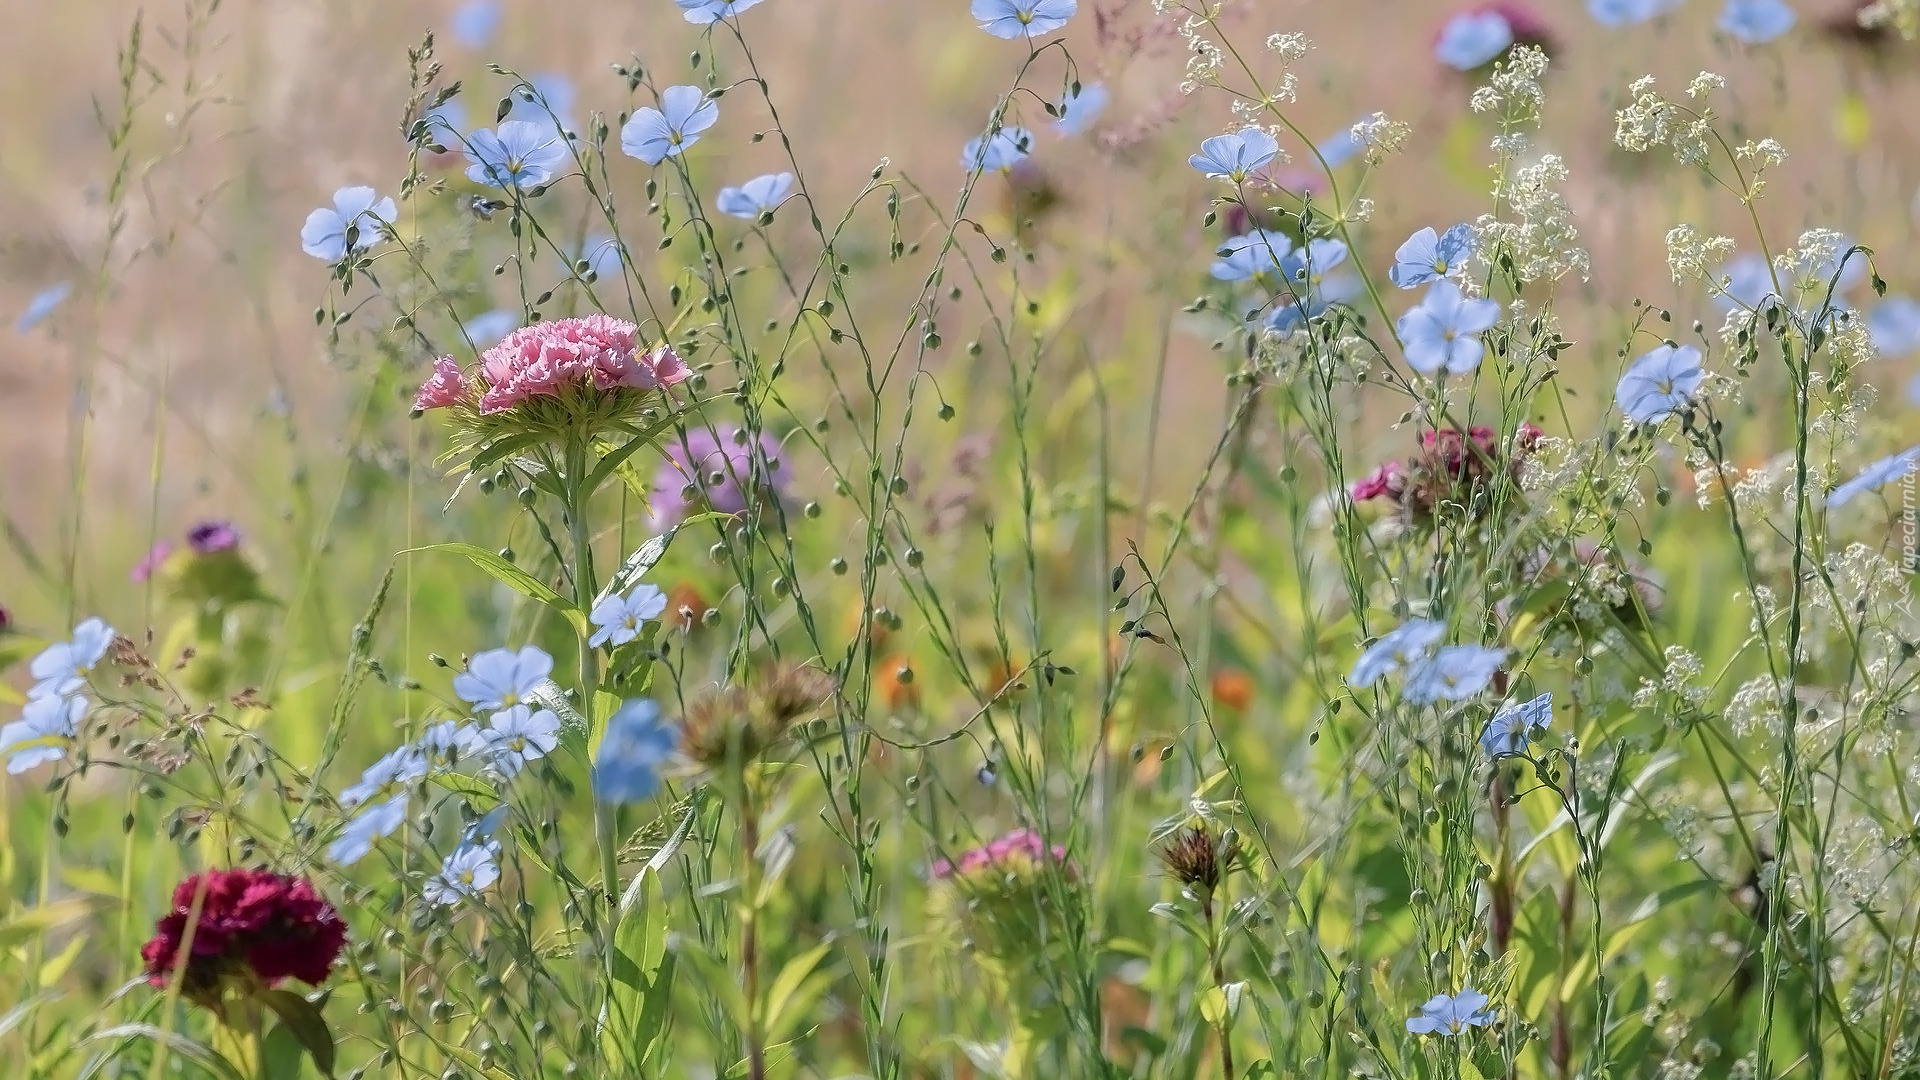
(1020, 845)
(145, 568)
(544, 359)
(447, 386)
(211, 537)
(723, 471)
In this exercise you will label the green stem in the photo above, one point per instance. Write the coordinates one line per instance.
(1218, 965)
(749, 930)
(581, 536)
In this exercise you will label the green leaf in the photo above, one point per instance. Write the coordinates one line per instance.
(644, 558)
(635, 1020)
(716, 980)
(180, 1044)
(1219, 1005)
(302, 1018)
(614, 460)
(788, 982)
(281, 1054)
(771, 1056)
(501, 449)
(472, 1061)
(33, 922)
(551, 695)
(477, 791)
(513, 578)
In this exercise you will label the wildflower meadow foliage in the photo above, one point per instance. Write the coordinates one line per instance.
(1339, 609)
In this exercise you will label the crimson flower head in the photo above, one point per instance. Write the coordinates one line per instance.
(1450, 467)
(254, 929)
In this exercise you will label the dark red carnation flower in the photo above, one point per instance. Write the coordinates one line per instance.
(1450, 467)
(253, 925)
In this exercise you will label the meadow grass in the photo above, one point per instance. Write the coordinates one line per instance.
(1047, 608)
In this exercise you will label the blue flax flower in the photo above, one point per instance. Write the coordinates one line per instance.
(618, 618)
(384, 777)
(518, 736)
(1306, 290)
(1455, 673)
(1234, 157)
(470, 870)
(1428, 256)
(702, 12)
(1756, 22)
(1511, 730)
(516, 154)
(1894, 326)
(1443, 332)
(1078, 111)
(1023, 18)
(1408, 643)
(636, 744)
(1628, 12)
(1660, 383)
(474, 22)
(446, 122)
(755, 197)
(376, 821)
(1339, 148)
(551, 103)
(488, 327)
(46, 725)
(62, 667)
(997, 152)
(324, 236)
(499, 679)
(450, 743)
(1886, 470)
(1473, 38)
(602, 256)
(1445, 1014)
(1258, 252)
(42, 305)
(654, 135)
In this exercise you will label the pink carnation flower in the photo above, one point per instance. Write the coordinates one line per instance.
(544, 359)
(1381, 481)
(448, 386)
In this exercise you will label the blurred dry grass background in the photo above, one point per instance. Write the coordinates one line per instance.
(205, 321)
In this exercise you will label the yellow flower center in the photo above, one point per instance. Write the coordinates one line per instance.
(1025, 17)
